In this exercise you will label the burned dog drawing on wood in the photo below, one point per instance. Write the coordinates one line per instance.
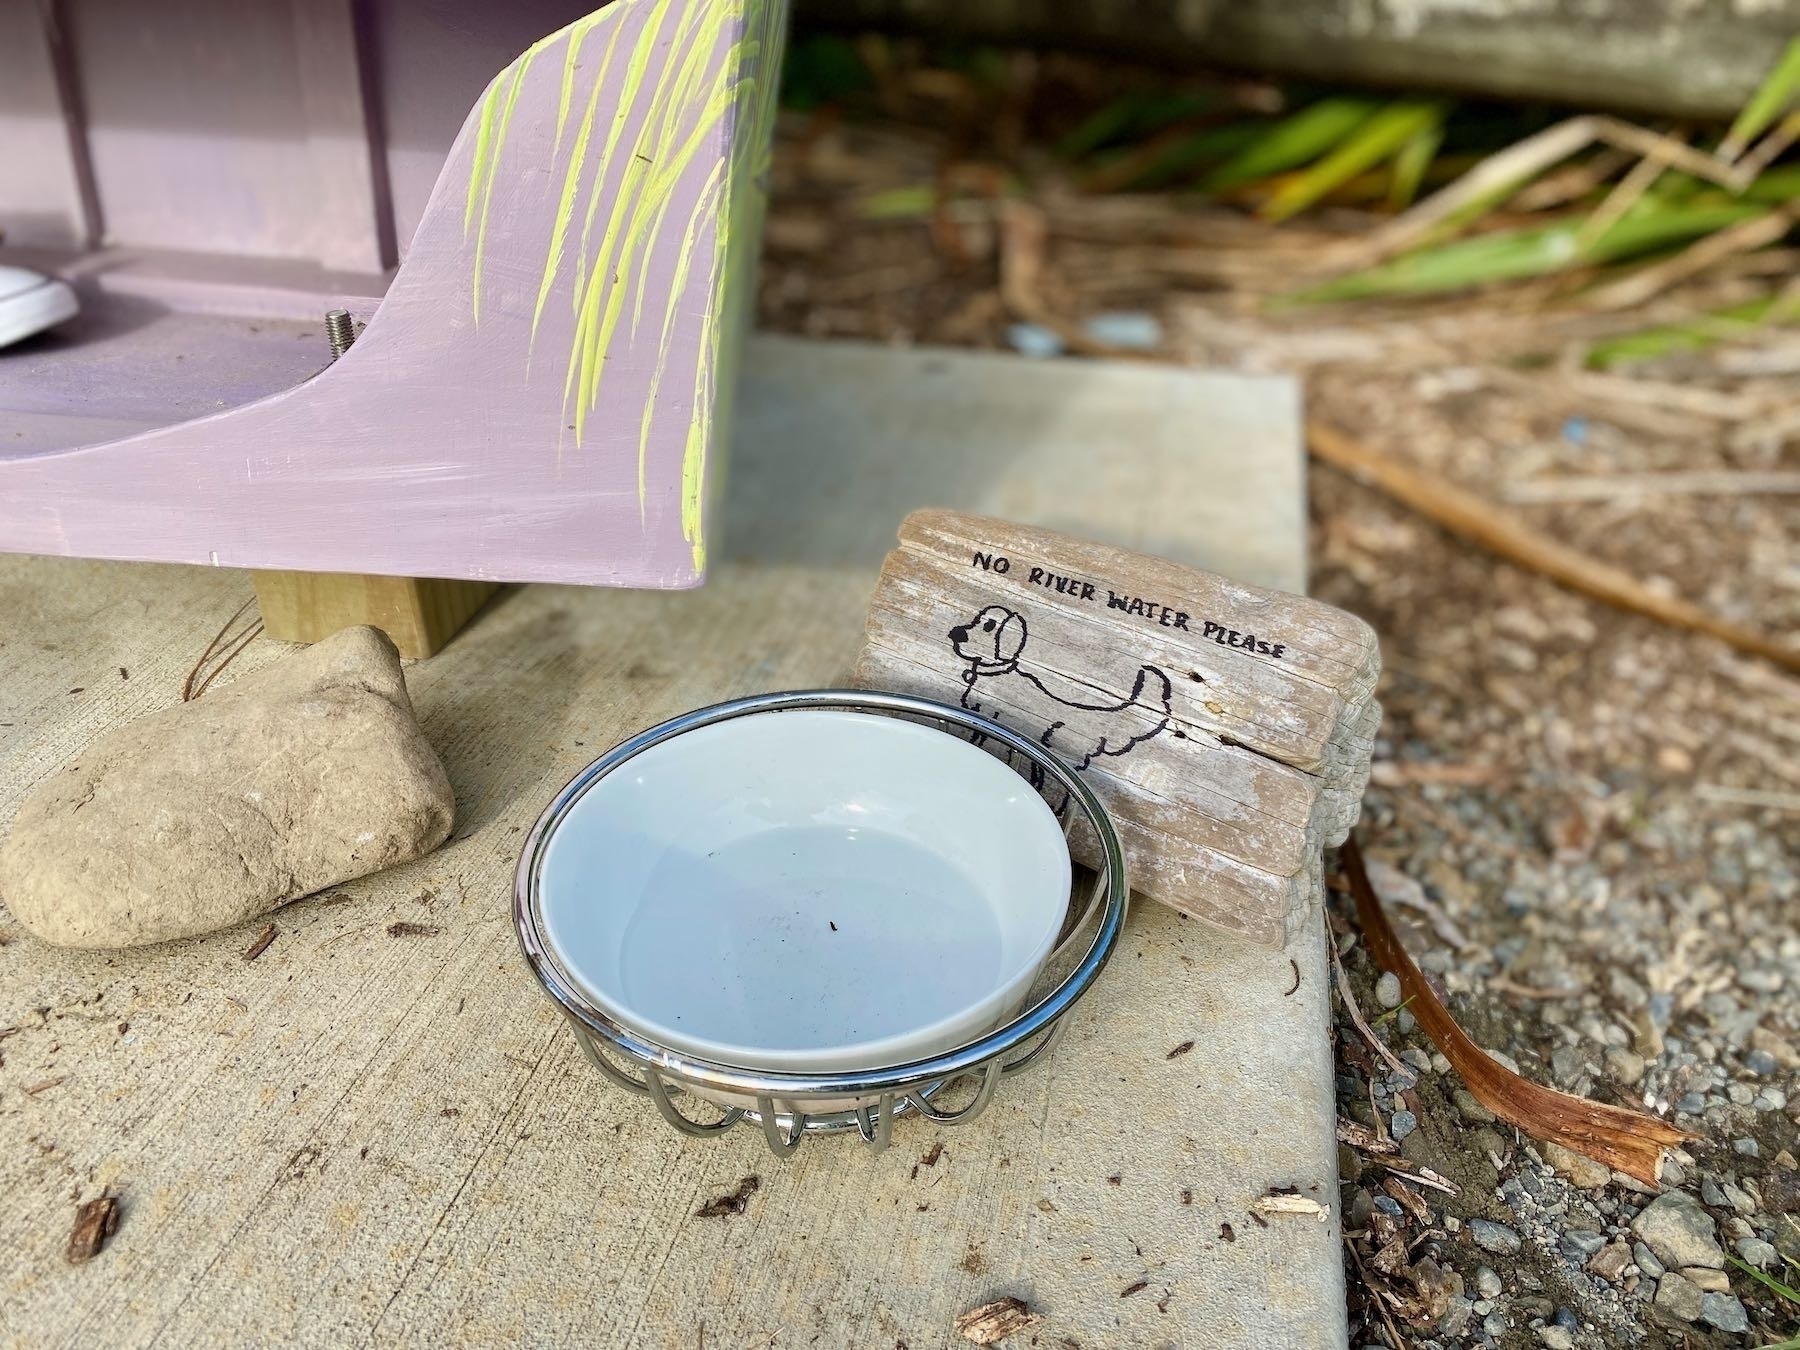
(1077, 724)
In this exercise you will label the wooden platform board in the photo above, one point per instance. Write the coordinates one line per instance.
(366, 1138)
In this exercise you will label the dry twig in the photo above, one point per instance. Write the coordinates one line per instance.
(1481, 522)
(1626, 1141)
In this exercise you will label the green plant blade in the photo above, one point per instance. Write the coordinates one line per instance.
(1514, 255)
(1770, 100)
(1650, 344)
(1765, 1279)
(1293, 141)
(1411, 164)
(1378, 138)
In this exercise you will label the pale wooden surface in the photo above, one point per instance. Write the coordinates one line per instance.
(1215, 758)
(420, 614)
(364, 1138)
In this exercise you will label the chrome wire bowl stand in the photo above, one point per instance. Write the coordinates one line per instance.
(950, 1088)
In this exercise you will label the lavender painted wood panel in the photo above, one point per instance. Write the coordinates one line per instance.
(40, 196)
(537, 398)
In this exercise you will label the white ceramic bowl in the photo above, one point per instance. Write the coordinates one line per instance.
(806, 891)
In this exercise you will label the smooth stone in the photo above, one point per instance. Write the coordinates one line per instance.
(1556, 1338)
(1577, 1167)
(305, 774)
(1678, 1299)
(1724, 1312)
(1403, 1124)
(1706, 1279)
(1610, 1261)
(1487, 1282)
(1646, 1261)
(1679, 1231)
(1756, 1252)
(1494, 1237)
(1387, 990)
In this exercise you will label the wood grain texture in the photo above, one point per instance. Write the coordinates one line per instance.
(419, 614)
(1228, 727)
(358, 1138)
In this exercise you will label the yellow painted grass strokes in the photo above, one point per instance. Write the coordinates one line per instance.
(519, 69)
(635, 69)
(630, 232)
(678, 283)
(629, 216)
(565, 209)
(693, 459)
(571, 56)
(685, 99)
(484, 135)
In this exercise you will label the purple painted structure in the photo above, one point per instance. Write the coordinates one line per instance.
(541, 392)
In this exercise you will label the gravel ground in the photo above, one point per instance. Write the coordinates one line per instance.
(1586, 825)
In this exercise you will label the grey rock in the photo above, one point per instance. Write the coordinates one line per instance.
(1494, 1324)
(1746, 1147)
(1402, 1124)
(1724, 1312)
(1487, 1282)
(1693, 1103)
(1556, 1338)
(307, 773)
(1495, 1237)
(1740, 1094)
(1761, 1062)
(1646, 1261)
(1677, 1299)
(1679, 1231)
(1712, 1192)
(1673, 1173)
(1756, 1252)
(1387, 990)
(1738, 1198)
(1470, 1109)
(1578, 1244)
(1456, 1316)
(1623, 1066)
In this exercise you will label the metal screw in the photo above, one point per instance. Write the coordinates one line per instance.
(340, 331)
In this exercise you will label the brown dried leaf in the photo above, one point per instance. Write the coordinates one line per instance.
(1626, 1141)
(95, 1222)
(992, 1323)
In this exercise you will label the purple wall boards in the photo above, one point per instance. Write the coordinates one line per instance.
(542, 391)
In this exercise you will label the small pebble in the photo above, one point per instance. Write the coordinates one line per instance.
(1470, 1109)
(1387, 990)
(1132, 329)
(1402, 1124)
(1646, 1261)
(1487, 1282)
(1556, 1338)
(1676, 1298)
(1748, 1148)
(1031, 339)
(1495, 1237)
(1756, 1252)
(1761, 1062)
(1724, 1312)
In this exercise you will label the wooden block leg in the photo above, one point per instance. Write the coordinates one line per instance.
(420, 614)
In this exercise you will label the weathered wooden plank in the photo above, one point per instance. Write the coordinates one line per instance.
(1226, 766)
(1323, 643)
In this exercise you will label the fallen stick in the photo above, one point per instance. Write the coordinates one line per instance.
(1481, 522)
(1631, 1142)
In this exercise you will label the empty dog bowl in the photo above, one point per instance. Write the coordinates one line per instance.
(806, 891)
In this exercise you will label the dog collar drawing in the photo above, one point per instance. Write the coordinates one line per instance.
(1076, 726)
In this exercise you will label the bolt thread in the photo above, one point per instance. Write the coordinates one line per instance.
(340, 331)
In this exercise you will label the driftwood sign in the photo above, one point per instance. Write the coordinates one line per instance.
(1226, 727)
